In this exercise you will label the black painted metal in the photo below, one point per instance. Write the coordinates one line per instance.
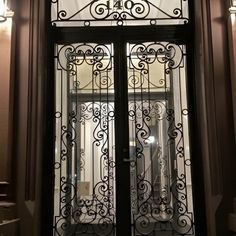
(175, 34)
(95, 212)
(174, 203)
(47, 192)
(196, 152)
(123, 210)
(160, 197)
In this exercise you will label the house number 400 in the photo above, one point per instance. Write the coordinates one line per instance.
(120, 4)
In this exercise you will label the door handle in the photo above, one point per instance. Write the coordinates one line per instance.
(129, 160)
(126, 153)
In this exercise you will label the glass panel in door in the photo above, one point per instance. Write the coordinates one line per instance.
(160, 169)
(159, 151)
(84, 193)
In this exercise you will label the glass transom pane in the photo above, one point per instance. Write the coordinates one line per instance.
(118, 12)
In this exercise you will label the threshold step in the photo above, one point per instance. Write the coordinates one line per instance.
(234, 204)
(10, 227)
(7, 204)
(3, 196)
(232, 222)
(7, 211)
(9, 221)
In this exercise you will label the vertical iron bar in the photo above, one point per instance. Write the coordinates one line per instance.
(47, 190)
(123, 200)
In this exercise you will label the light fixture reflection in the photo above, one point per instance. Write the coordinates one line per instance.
(232, 18)
(150, 139)
(232, 8)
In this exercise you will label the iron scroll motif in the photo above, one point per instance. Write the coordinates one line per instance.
(161, 196)
(76, 212)
(72, 57)
(165, 53)
(92, 214)
(118, 12)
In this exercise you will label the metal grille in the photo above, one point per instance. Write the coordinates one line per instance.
(160, 163)
(161, 186)
(84, 202)
(118, 12)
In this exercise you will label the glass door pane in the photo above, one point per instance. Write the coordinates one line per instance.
(160, 169)
(84, 193)
(87, 171)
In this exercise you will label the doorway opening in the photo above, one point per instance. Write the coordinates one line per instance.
(122, 138)
(122, 161)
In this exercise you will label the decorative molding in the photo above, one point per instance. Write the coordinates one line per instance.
(33, 109)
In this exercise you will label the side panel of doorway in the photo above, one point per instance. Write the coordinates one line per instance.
(161, 182)
(84, 191)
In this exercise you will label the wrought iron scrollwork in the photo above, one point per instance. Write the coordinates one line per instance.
(165, 53)
(95, 213)
(120, 12)
(161, 196)
(161, 205)
(158, 123)
(99, 57)
(84, 158)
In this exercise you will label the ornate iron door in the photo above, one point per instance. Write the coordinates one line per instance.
(161, 186)
(122, 152)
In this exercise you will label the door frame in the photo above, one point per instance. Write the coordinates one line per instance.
(174, 34)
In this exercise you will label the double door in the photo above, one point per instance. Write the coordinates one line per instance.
(122, 147)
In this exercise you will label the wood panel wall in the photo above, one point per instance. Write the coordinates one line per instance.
(6, 37)
(28, 131)
(215, 112)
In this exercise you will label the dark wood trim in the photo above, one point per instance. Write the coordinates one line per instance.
(203, 72)
(30, 175)
(214, 112)
(11, 147)
(232, 52)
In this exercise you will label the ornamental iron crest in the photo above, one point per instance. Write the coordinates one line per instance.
(118, 12)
